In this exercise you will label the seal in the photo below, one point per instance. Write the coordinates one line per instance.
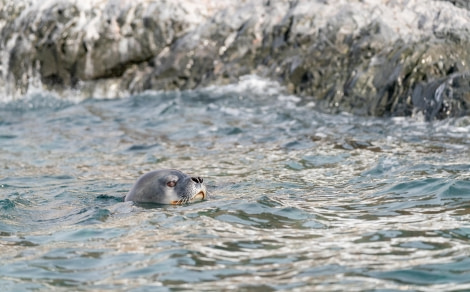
(167, 186)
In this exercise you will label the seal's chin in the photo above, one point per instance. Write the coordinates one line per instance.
(197, 197)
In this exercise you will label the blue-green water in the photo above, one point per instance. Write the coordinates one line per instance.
(300, 200)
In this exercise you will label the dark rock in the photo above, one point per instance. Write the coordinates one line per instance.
(380, 58)
(460, 3)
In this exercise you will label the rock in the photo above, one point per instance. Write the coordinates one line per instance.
(460, 3)
(66, 42)
(370, 57)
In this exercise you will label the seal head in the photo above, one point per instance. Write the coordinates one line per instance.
(167, 186)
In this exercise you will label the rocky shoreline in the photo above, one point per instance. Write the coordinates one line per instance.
(370, 57)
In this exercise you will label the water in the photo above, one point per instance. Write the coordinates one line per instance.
(300, 200)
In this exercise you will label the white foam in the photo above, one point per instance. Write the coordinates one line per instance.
(252, 84)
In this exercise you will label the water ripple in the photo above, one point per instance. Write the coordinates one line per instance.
(300, 200)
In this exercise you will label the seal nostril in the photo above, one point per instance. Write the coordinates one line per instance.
(197, 179)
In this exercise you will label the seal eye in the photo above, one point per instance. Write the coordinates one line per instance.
(171, 183)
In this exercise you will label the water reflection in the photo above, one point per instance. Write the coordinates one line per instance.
(299, 199)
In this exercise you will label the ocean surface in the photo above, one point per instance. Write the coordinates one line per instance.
(300, 200)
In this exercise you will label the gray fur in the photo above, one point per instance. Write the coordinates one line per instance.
(152, 187)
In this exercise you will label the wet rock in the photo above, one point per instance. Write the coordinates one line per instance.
(65, 42)
(380, 58)
(460, 3)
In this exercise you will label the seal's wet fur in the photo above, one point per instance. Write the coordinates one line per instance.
(167, 186)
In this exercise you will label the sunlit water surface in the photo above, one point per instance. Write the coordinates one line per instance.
(300, 200)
